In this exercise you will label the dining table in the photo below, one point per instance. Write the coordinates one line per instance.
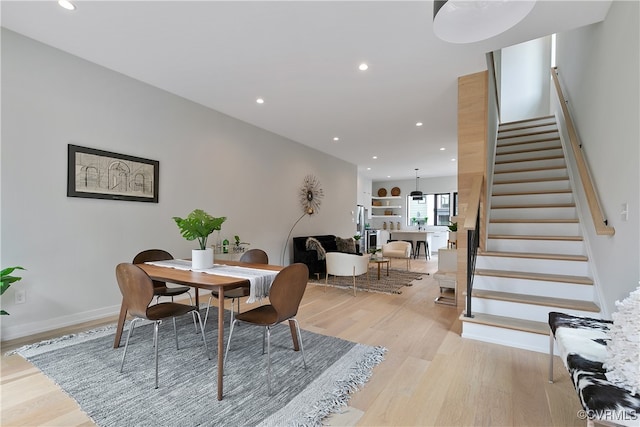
(208, 281)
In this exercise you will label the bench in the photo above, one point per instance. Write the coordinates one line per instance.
(582, 344)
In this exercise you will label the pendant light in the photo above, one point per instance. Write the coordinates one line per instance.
(416, 195)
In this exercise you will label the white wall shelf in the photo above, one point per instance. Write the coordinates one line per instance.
(386, 216)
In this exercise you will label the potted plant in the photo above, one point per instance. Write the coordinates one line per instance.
(238, 244)
(199, 225)
(357, 238)
(6, 280)
(453, 231)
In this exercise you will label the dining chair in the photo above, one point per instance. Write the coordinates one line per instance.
(138, 291)
(284, 296)
(255, 256)
(160, 289)
(342, 264)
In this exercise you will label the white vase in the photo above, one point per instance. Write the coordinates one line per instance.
(201, 259)
(453, 236)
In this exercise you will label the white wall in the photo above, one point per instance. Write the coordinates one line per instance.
(525, 80)
(70, 246)
(599, 67)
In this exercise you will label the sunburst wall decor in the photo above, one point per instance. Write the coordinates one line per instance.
(310, 195)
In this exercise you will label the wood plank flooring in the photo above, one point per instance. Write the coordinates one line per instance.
(430, 376)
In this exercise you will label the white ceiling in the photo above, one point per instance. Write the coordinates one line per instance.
(302, 57)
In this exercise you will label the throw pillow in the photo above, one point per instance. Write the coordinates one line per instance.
(347, 245)
(623, 348)
(313, 244)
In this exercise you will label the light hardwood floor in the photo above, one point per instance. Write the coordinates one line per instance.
(430, 376)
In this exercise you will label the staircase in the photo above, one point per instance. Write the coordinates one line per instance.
(535, 259)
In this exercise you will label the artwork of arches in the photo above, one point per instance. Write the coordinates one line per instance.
(100, 174)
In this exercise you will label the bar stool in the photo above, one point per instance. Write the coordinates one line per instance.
(419, 244)
(412, 247)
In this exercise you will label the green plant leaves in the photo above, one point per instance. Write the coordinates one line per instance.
(6, 280)
(199, 225)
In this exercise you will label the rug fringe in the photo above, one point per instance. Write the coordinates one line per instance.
(339, 397)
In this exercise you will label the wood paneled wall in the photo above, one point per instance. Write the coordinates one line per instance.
(473, 95)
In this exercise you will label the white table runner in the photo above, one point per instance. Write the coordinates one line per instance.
(259, 279)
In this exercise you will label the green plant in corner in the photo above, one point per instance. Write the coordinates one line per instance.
(199, 225)
(6, 280)
(453, 226)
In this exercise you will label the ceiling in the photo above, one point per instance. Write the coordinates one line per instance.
(302, 58)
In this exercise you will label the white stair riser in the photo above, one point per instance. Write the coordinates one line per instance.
(505, 149)
(531, 164)
(545, 173)
(519, 187)
(518, 136)
(529, 265)
(537, 246)
(534, 287)
(538, 313)
(528, 127)
(536, 229)
(507, 337)
(531, 199)
(537, 121)
(534, 213)
(529, 155)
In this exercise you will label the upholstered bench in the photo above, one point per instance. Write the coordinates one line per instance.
(582, 344)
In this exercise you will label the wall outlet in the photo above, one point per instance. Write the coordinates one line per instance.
(20, 296)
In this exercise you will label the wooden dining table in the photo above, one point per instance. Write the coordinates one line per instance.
(199, 281)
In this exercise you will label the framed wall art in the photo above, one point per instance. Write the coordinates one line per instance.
(99, 174)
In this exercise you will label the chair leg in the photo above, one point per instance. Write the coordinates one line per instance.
(195, 325)
(326, 281)
(126, 344)
(226, 352)
(304, 361)
(155, 338)
(196, 313)
(268, 330)
(206, 315)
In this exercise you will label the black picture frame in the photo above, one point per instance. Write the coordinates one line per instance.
(100, 174)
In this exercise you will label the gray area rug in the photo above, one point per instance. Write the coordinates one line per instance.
(86, 367)
(391, 284)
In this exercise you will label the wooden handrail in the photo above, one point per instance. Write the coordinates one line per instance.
(599, 222)
(475, 194)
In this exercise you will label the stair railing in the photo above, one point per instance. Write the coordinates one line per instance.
(599, 221)
(472, 225)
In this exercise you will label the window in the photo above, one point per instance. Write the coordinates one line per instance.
(432, 209)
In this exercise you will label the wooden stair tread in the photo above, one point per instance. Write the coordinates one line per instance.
(528, 150)
(524, 325)
(534, 221)
(538, 169)
(532, 159)
(533, 119)
(520, 193)
(537, 300)
(519, 135)
(502, 144)
(534, 237)
(535, 255)
(562, 278)
(525, 181)
(535, 206)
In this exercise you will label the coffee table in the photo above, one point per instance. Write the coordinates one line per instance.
(380, 261)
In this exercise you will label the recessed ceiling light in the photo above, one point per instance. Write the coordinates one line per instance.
(368, 169)
(363, 67)
(260, 101)
(442, 148)
(335, 138)
(374, 157)
(66, 4)
(388, 176)
(453, 160)
(419, 124)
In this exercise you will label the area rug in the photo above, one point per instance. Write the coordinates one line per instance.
(391, 284)
(86, 367)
